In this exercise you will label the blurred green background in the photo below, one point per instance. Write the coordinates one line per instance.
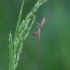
(55, 35)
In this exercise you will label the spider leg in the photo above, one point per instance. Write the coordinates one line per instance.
(39, 37)
(37, 64)
(37, 23)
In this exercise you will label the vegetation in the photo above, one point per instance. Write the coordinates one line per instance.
(21, 33)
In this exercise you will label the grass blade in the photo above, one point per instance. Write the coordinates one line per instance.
(19, 20)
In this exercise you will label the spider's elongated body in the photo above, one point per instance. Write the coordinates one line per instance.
(39, 27)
